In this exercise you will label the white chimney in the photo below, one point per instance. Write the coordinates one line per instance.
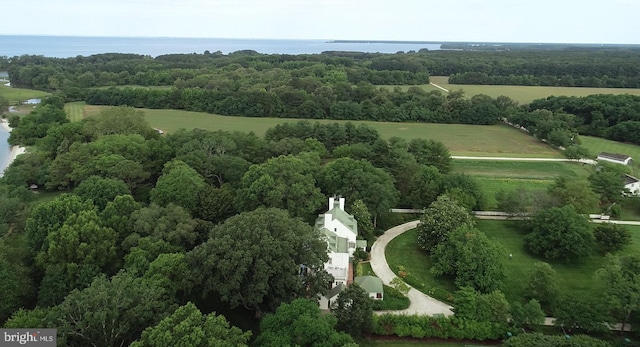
(342, 203)
(331, 202)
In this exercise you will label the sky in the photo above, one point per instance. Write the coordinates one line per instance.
(562, 21)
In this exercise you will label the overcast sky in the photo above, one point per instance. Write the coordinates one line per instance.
(575, 21)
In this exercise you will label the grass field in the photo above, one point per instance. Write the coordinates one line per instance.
(596, 145)
(571, 276)
(525, 94)
(471, 140)
(17, 95)
(494, 176)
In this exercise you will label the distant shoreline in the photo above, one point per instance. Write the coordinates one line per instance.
(13, 153)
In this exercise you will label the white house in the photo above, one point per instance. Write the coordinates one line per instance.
(372, 285)
(340, 229)
(615, 158)
(632, 184)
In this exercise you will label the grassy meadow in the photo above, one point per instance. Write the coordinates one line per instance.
(521, 94)
(494, 176)
(17, 95)
(577, 276)
(596, 145)
(467, 140)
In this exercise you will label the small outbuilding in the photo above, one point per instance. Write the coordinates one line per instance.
(632, 184)
(615, 158)
(372, 285)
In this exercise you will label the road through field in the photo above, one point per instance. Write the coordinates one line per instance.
(584, 161)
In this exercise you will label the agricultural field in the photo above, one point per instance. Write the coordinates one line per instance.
(521, 94)
(494, 176)
(17, 95)
(467, 140)
(576, 277)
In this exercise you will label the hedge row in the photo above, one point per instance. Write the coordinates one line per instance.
(439, 327)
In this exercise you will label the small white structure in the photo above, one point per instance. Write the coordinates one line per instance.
(340, 229)
(615, 158)
(372, 285)
(632, 184)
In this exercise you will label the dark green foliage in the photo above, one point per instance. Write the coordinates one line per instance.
(421, 326)
(542, 283)
(425, 187)
(179, 185)
(15, 284)
(34, 126)
(393, 300)
(60, 279)
(109, 312)
(171, 223)
(216, 204)
(611, 238)
(559, 233)
(473, 306)
(578, 193)
(620, 286)
(284, 182)
(540, 340)
(527, 315)
(253, 260)
(438, 221)
(101, 190)
(365, 224)
(586, 311)
(300, 323)
(354, 310)
(473, 260)
(187, 326)
(608, 182)
(431, 153)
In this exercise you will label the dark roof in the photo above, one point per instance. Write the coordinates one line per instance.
(614, 156)
(628, 179)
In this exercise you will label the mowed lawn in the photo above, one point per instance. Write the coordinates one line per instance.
(468, 140)
(572, 276)
(18, 95)
(525, 94)
(494, 176)
(596, 145)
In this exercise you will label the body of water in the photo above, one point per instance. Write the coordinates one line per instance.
(70, 46)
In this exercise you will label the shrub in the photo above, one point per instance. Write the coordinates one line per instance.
(438, 327)
(393, 300)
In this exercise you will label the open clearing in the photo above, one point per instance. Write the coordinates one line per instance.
(577, 277)
(17, 95)
(521, 94)
(467, 140)
(596, 145)
(494, 176)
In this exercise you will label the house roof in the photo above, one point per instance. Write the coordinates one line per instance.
(343, 217)
(628, 179)
(336, 290)
(336, 243)
(370, 284)
(613, 156)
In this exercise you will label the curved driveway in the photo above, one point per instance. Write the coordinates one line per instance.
(421, 303)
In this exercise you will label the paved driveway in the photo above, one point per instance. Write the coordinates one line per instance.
(421, 303)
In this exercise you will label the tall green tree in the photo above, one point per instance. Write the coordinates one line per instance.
(585, 310)
(170, 223)
(188, 327)
(358, 179)
(119, 120)
(284, 182)
(439, 220)
(620, 284)
(361, 213)
(110, 312)
(254, 260)
(179, 184)
(300, 323)
(611, 238)
(542, 283)
(559, 233)
(608, 182)
(101, 190)
(82, 239)
(430, 152)
(528, 314)
(354, 310)
(471, 258)
(573, 192)
(425, 186)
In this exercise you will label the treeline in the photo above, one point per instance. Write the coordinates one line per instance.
(615, 117)
(482, 78)
(341, 101)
